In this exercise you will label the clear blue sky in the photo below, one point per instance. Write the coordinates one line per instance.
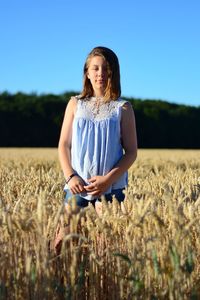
(44, 44)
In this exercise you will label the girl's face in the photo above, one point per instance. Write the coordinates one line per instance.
(98, 75)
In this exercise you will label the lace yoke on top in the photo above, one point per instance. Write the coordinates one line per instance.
(96, 109)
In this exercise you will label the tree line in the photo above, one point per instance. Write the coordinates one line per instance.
(32, 120)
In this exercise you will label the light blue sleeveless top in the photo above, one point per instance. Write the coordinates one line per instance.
(96, 140)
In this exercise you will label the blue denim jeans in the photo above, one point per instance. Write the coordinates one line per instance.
(82, 202)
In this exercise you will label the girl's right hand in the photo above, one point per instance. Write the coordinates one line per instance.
(76, 185)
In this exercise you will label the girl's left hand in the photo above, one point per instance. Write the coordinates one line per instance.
(98, 185)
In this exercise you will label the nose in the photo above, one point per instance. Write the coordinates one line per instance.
(101, 72)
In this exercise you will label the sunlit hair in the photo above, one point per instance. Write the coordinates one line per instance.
(113, 88)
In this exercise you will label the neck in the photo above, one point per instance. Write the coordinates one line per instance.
(98, 96)
(99, 93)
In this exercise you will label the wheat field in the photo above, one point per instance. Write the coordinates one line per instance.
(149, 248)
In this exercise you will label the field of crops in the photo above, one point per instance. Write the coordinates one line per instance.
(147, 249)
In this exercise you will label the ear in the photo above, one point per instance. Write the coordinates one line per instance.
(88, 76)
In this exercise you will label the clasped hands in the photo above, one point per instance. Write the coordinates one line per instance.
(96, 187)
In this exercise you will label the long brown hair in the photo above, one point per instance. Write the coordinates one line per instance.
(113, 88)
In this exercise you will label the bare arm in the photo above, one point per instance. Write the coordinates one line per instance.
(64, 148)
(129, 142)
(100, 184)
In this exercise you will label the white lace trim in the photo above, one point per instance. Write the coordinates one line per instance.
(96, 109)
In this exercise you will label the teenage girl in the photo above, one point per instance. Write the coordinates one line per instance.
(98, 140)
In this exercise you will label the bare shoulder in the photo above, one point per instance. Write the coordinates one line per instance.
(73, 101)
(128, 128)
(127, 106)
(127, 110)
(127, 117)
(72, 104)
